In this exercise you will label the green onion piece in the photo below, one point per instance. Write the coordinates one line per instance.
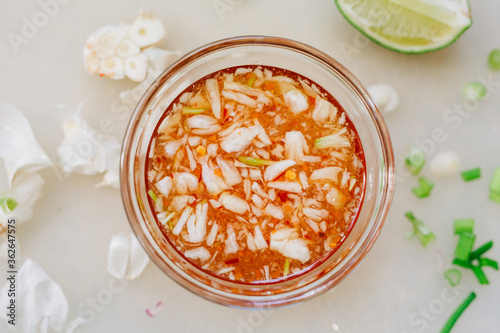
(494, 197)
(495, 186)
(425, 235)
(474, 91)
(415, 161)
(287, 267)
(139, 201)
(254, 161)
(190, 110)
(11, 204)
(464, 245)
(170, 225)
(480, 250)
(453, 276)
(425, 188)
(251, 80)
(337, 140)
(454, 317)
(480, 275)
(462, 263)
(488, 262)
(463, 225)
(494, 60)
(471, 174)
(153, 196)
(8, 204)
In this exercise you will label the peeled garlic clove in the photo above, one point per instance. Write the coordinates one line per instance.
(105, 52)
(385, 97)
(112, 67)
(127, 48)
(111, 39)
(92, 63)
(147, 30)
(136, 67)
(446, 163)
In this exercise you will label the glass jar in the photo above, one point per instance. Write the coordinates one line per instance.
(310, 63)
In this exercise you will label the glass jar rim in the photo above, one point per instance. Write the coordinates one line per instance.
(128, 158)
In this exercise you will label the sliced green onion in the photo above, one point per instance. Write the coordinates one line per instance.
(480, 275)
(480, 250)
(424, 189)
(462, 263)
(464, 246)
(488, 262)
(251, 80)
(415, 161)
(287, 267)
(337, 140)
(153, 196)
(463, 225)
(474, 91)
(495, 186)
(139, 201)
(8, 204)
(254, 161)
(453, 276)
(471, 174)
(458, 312)
(190, 110)
(425, 235)
(494, 197)
(494, 60)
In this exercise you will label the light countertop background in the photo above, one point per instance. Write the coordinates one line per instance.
(399, 287)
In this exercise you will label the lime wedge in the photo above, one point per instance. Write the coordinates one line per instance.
(408, 26)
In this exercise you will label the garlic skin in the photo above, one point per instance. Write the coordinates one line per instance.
(126, 257)
(83, 150)
(41, 301)
(122, 51)
(19, 148)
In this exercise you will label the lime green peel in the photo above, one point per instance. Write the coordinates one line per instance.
(408, 26)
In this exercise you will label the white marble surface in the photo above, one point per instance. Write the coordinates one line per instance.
(398, 282)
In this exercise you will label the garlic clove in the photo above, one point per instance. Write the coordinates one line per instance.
(147, 30)
(136, 67)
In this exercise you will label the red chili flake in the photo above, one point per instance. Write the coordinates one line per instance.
(321, 234)
(283, 196)
(232, 261)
